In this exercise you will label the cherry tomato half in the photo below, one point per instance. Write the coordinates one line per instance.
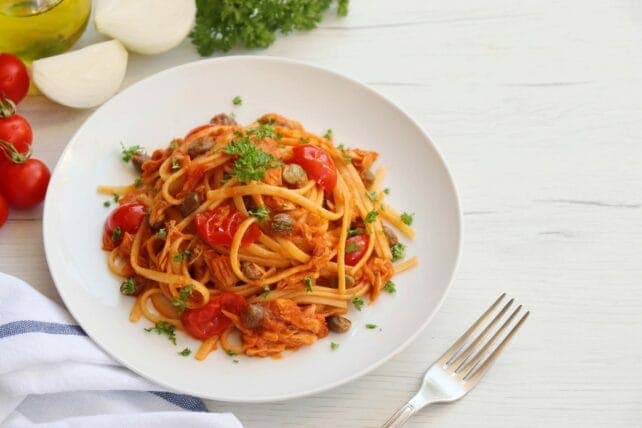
(128, 217)
(217, 227)
(24, 184)
(14, 79)
(4, 211)
(318, 164)
(14, 130)
(209, 320)
(355, 248)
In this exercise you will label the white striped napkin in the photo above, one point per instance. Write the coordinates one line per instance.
(52, 374)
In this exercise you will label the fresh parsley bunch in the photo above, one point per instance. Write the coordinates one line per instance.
(224, 24)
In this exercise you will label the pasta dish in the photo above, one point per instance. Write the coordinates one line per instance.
(257, 239)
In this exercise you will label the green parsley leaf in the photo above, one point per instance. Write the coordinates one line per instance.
(252, 162)
(263, 131)
(406, 218)
(328, 134)
(390, 287)
(352, 247)
(308, 284)
(230, 353)
(353, 232)
(162, 233)
(341, 147)
(371, 216)
(266, 291)
(181, 301)
(398, 251)
(116, 234)
(107, 204)
(185, 352)
(358, 303)
(224, 24)
(138, 182)
(371, 195)
(116, 197)
(163, 327)
(235, 361)
(176, 165)
(334, 346)
(173, 145)
(128, 287)
(261, 213)
(129, 152)
(183, 255)
(386, 190)
(237, 101)
(371, 326)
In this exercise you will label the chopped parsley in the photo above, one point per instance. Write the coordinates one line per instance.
(371, 326)
(237, 101)
(266, 291)
(181, 301)
(116, 197)
(173, 145)
(390, 287)
(328, 134)
(372, 195)
(386, 190)
(176, 165)
(342, 7)
(398, 251)
(138, 182)
(308, 284)
(352, 247)
(230, 353)
(334, 346)
(371, 216)
(407, 218)
(183, 255)
(129, 152)
(263, 131)
(162, 233)
(252, 162)
(261, 213)
(107, 204)
(185, 352)
(358, 303)
(116, 234)
(128, 287)
(163, 327)
(353, 232)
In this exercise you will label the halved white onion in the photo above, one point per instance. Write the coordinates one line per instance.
(146, 26)
(84, 78)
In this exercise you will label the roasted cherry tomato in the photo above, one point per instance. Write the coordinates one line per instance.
(127, 217)
(24, 185)
(355, 248)
(318, 164)
(209, 320)
(16, 131)
(4, 211)
(217, 227)
(14, 79)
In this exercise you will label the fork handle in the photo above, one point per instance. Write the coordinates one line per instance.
(401, 416)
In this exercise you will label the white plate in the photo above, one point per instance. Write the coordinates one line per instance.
(152, 112)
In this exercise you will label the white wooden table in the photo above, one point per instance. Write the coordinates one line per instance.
(537, 107)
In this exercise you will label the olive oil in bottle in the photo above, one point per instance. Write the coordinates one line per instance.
(34, 29)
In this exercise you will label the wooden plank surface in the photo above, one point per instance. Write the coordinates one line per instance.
(536, 107)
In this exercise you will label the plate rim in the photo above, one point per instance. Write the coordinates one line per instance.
(288, 396)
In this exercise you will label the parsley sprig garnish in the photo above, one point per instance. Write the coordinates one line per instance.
(183, 295)
(371, 195)
(398, 251)
(358, 303)
(128, 287)
(371, 216)
(252, 163)
(371, 326)
(407, 218)
(389, 286)
(261, 213)
(334, 346)
(308, 284)
(129, 152)
(183, 255)
(185, 352)
(163, 327)
(352, 247)
(237, 100)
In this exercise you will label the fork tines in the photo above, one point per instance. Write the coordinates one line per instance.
(471, 355)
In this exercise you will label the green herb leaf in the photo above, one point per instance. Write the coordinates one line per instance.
(129, 152)
(352, 247)
(116, 234)
(237, 101)
(371, 216)
(398, 251)
(176, 165)
(138, 182)
(390, 287)
(183, 295)
(342, 8)
(230, 353)
(185, 352)
(308, 284)
(358, 303)
(107, 204)
(328, 134)
(163, 327)
(334, 346)
(252, 162)
(261, 213)
(116, 197)
(266, 291)
(371, 195)
(263, 131)
(386, 190)
(353, 232)
(128, 287)
(162, 233)
(371, 326)
(183, 255)
(406, 218)
(173, 145)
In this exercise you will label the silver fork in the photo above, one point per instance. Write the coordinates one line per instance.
(459, 369)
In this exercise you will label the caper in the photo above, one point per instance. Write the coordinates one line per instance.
(367, 177)
(251, 270)
(391, 236)
(338, 324)
(282, 224)
(200, 146)
(294, 175)
(252, 316)
(190, 203)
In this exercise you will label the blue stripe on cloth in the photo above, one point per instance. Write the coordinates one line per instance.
(31, 326)
(186, 402)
